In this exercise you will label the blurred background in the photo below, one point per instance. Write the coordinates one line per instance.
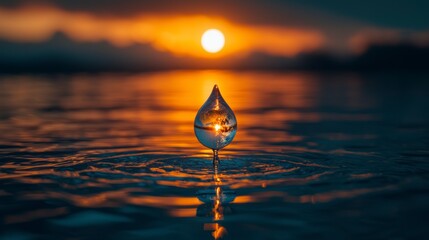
(70, 36)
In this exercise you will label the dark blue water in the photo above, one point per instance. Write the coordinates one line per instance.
(114, 156)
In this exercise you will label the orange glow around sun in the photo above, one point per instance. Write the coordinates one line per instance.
(179, 34)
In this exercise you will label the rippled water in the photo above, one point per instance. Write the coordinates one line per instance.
(115, 157)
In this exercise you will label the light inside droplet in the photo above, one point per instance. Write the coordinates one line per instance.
(217, 127)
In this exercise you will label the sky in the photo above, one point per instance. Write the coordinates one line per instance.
(285, 28)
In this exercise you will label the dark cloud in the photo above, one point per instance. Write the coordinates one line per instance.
(410, 14)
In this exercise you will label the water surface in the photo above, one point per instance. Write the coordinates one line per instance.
(114, 156)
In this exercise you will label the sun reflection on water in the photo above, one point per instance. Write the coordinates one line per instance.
(124, 144)
(156, 109)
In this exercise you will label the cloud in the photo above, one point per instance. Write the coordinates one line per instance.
(279, 28)
(177, 34)
(302, 13)
(363, 39)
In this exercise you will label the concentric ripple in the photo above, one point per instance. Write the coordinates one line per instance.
(115, 157)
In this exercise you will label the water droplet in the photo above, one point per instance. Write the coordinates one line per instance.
(215, 124)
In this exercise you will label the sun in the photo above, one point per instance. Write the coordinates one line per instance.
(212, 40)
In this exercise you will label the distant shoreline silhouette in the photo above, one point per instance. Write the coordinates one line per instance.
(62, 55)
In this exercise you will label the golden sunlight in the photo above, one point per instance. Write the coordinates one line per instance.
(212, 40)
(167, 34)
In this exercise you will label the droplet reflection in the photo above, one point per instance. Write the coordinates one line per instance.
(215, 124)
(216, 203)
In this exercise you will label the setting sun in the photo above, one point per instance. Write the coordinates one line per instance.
(212, 40)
